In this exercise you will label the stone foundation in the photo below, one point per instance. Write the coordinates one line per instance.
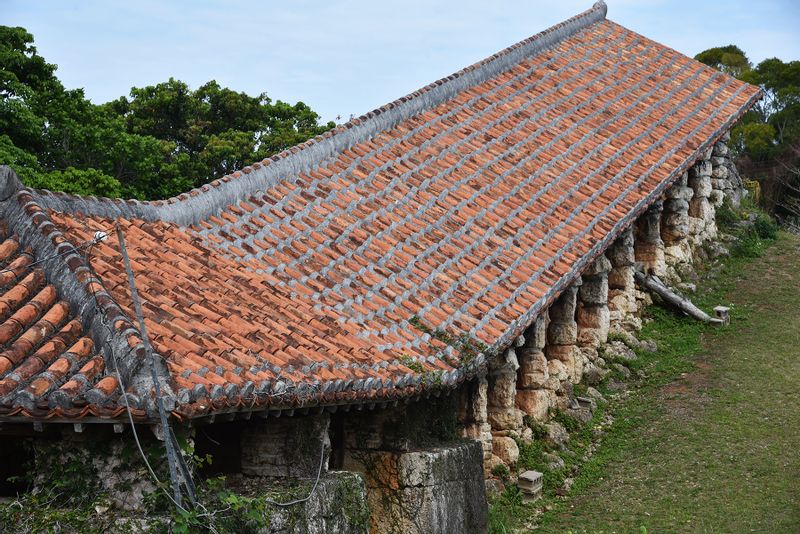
(474, 417)
(437, 490)
(649, 249)
(564, 359)
(95, 467)
(501, 399)
(536, 390)
(725, 179)
(420, 477)
(287, 447)
(97, 462)
(339, 504)
(592, 314)
(505, 418)
(648, 246)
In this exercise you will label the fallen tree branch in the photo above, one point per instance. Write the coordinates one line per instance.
(654, 285)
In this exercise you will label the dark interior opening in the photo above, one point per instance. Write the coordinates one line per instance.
(223, 443)
(16, 462)
(336, 460)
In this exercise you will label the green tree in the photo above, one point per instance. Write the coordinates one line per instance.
(767, 139)
(24, 163)
(159, 141)
(23, 75)
(78, 181)
(756, 139)
(729, 59)
(215, 130)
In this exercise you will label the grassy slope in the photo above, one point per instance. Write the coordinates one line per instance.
(717, 449)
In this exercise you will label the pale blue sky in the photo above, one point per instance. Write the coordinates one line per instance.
(347, 57)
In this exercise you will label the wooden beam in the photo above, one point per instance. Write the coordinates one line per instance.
(653, 284)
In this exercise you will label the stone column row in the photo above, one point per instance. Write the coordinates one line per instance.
(702, 225)
(536, 374)
(675, 228)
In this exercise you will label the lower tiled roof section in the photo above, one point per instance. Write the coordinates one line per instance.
(44, 353)
(231, 337)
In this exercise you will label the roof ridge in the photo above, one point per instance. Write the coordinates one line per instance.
(200, 203)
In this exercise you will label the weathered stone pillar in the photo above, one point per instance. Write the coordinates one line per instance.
(720, 185)
(474, 417)
(286, 447)
(621, 286)
(592, 315)
(563, 356)
(504, 416)
(702, 225)
(648, 246)
(675, 227)
(536, 390)
(725, 179)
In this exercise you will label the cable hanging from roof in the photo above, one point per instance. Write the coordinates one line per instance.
(175, 458)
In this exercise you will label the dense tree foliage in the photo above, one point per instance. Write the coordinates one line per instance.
(729, 59)
(767, 139)
(159, 141)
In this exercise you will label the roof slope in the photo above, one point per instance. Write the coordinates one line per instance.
(378, 260)
(45, 351)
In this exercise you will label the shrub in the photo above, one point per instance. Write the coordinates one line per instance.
(501, 471)
(538, 429)
(570, 423)
(726, 216)
(765, 227)
(749, 245)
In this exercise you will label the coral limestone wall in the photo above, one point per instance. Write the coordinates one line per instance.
(536, 375)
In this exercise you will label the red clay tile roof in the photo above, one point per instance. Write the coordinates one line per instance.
(375, 262)
(45, 353)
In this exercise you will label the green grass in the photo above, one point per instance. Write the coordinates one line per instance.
(708, 442)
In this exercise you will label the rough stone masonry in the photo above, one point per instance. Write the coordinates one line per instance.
(536, 374)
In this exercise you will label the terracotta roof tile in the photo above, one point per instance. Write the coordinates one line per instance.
(35, 332)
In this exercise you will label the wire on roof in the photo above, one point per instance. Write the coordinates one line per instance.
(99, 236)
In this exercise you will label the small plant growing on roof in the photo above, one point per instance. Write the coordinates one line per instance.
(467, 348)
